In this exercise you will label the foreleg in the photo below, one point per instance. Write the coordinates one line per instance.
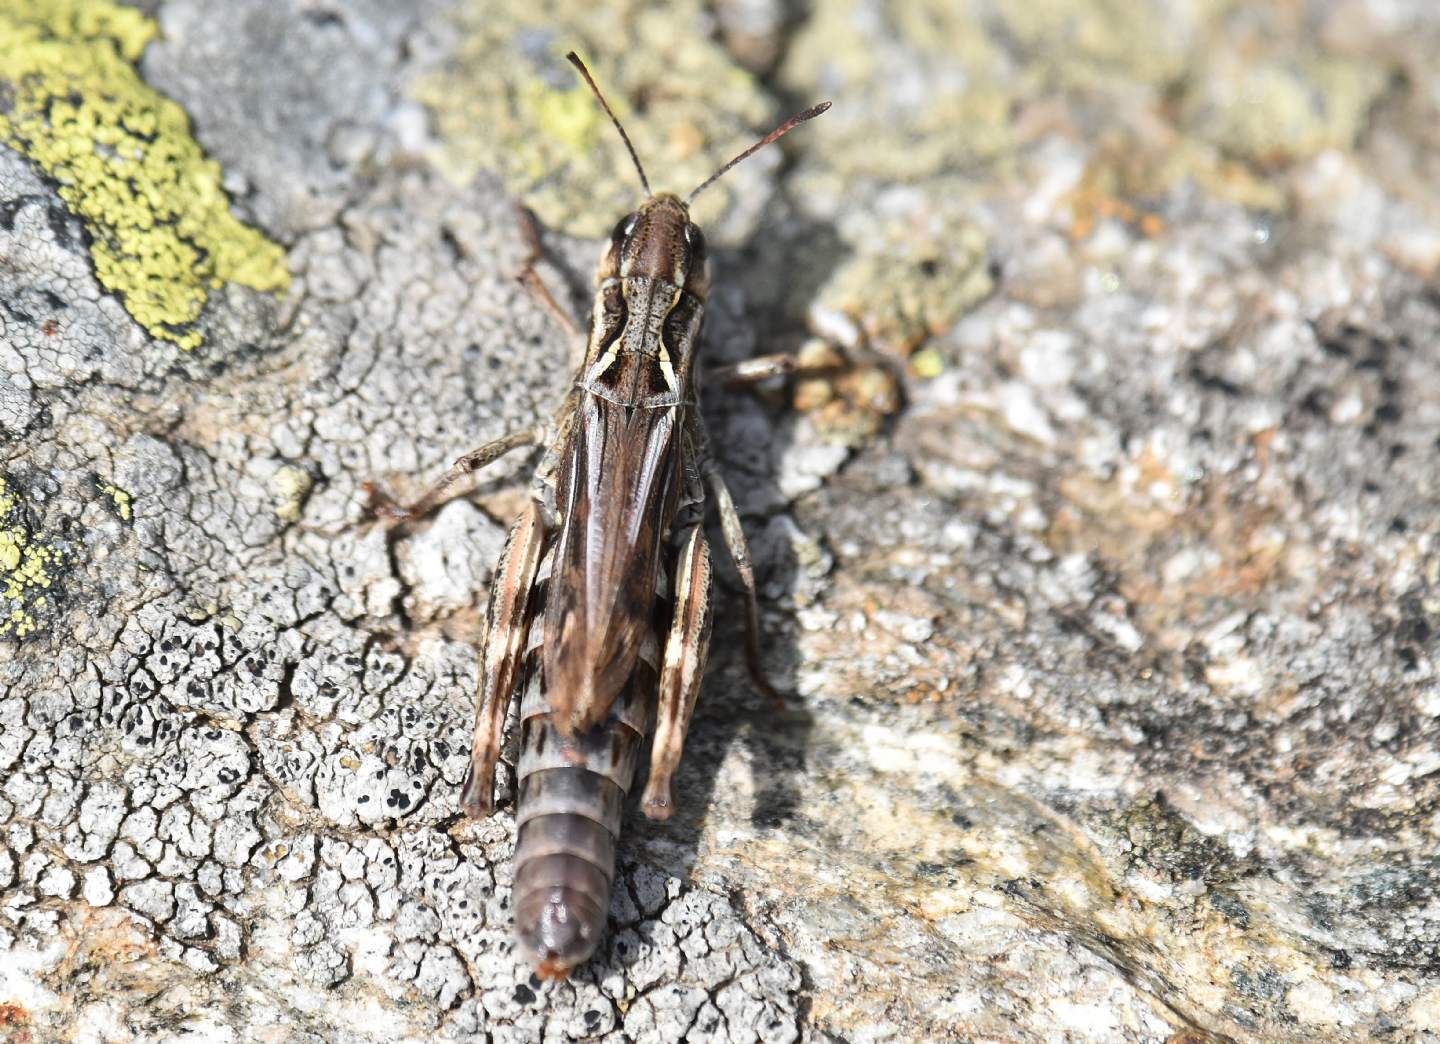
(530, 276)
(764, 367)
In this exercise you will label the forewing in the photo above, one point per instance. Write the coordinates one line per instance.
(616, 496)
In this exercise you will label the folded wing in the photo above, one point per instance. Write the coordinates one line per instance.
(616, 493)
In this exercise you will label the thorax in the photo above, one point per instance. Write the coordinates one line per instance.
(644, 335)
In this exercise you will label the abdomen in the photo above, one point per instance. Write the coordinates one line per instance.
(570, 798)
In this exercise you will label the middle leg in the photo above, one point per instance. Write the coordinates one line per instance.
(382, 505)
(739, 549)
(530, 276)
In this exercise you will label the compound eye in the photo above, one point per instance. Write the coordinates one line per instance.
(696, 239)
(623, 228)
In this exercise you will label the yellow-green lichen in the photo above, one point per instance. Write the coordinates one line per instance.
(965, 115)
(1193, 87)
(290, 486)
(927, 363)
(123, 501)
(1098, 43)
(910, 279)
(1283, 106)
(27, 568)
(200, 613)
(508, 102)
(162, 235)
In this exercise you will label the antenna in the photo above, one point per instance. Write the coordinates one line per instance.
(784, 128)
(575, 61)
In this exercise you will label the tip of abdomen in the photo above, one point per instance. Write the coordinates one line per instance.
(559, 928)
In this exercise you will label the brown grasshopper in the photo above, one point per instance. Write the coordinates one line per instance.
(600, 605)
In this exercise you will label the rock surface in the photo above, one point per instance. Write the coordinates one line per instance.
(1113, 649)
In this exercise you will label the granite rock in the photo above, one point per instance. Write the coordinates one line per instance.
(1111, 642)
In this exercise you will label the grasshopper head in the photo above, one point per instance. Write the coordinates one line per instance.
(659, 241)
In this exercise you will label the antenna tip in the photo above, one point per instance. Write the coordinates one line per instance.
(574, 60)
(822, 107)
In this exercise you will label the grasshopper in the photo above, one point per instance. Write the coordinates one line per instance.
(600, 605)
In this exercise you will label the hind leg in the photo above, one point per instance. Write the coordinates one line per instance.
(505, 631)
(681, 670)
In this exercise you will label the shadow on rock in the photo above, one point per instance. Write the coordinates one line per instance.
(756, 310)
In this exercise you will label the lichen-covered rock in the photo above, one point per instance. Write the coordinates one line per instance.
(1111, 640)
